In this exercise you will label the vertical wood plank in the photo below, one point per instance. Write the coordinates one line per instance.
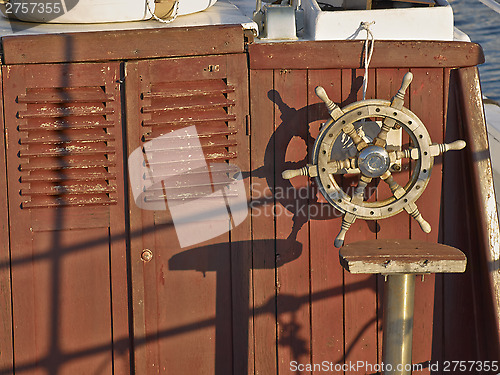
(263, 225)
(6, 344)
(427, 102)
(459, 339)
(241, 249)
(486, 215)
(118, 230)
(360, 297)
(450, 120)
(146, 356)
(291, 136)
(398, 226)
(134, 133)
(22, 309)
(327, 307)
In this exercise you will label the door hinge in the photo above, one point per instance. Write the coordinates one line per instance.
(247, 125)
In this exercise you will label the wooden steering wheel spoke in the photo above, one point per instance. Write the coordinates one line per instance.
(333, 109)
(310, 170)
(381, 138)
(413, 211)
(359, 142)
(359, 193)
(399, 99)
(336, 166)
(410, 153)
(397, 190)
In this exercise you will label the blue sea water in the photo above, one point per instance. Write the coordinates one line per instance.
(483, 26)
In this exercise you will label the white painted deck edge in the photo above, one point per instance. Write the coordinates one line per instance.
(492, 113)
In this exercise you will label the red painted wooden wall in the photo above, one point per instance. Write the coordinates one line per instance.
(324, 313)
(77, 295)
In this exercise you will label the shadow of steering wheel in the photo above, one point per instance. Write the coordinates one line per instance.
(310, 205)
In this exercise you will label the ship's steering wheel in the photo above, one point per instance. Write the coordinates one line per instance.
(372, 159)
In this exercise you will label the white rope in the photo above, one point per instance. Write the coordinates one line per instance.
(171, 19)
(368, 52)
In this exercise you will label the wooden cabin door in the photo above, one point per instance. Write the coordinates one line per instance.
(190, 295)
(66, 218)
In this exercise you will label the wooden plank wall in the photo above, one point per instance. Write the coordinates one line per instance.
(322, 312)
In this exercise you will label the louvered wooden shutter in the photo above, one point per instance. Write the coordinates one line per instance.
(67, 223)
(171, 106)
(67, 146)
(191, 91)
(211, 94)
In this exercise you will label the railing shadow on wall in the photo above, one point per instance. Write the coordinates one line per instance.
(298, 128)
(193, 259)
(56, 358)
(190, 260)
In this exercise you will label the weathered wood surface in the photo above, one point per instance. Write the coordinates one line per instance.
(6, 344)
(326, 273)
(241, 245)
(360, 303)
(122, 45)
(475, 130)
(458, 290)
(426, 92)
(401, 256)
(290, 118)
(347, 54)
(482, 213)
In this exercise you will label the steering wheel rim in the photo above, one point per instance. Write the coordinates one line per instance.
(374, 108)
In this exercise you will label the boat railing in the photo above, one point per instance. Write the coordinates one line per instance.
(492, 4)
